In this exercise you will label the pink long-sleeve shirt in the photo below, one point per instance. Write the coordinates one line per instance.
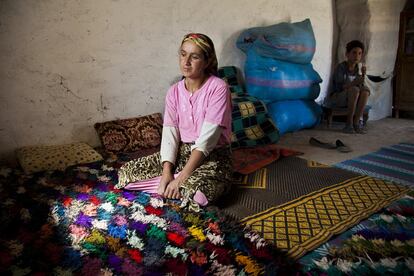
(187, 111)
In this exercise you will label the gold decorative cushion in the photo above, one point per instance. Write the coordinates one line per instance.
(57, 157)
(130, 135)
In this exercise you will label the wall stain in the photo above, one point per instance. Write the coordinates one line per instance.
(102, 108)
(86, 59)
(62, 84)
(67, 108)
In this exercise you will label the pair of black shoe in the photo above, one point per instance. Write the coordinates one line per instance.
(339, 145)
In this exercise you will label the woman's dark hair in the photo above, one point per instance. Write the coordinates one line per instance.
(354, 44)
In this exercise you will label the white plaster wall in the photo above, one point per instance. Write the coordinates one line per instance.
(68, 64)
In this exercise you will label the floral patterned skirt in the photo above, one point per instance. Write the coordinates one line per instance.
(213, 177)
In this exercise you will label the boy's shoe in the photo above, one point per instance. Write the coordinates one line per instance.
(340, 146)
(348, 129)
(360, 130)
(316, 142)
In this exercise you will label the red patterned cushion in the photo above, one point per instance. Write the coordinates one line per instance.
(129, 135)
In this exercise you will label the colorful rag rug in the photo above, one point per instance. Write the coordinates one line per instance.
(304, 223)
(381, 245)
(57, 223)
(393, 163)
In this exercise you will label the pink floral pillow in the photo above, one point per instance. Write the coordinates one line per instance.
(129, 135)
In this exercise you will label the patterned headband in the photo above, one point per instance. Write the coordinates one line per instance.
(200, 41)
(207, 46)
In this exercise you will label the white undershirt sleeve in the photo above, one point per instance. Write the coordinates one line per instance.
(169, 144)
(209, 136)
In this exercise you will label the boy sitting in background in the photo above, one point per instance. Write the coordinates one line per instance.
(349, 89)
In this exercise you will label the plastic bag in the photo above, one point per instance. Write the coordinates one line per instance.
(274, 80)
(293, 42)
(291, 116)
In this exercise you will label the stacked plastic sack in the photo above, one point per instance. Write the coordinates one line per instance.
(279, 72)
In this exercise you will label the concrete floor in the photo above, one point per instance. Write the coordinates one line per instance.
(380, 133)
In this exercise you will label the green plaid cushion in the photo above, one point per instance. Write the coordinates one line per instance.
(251, 124)
(236, 90)
(229, 74)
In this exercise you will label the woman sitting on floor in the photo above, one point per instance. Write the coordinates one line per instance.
(194, 163)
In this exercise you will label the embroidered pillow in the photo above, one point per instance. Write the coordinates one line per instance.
(58, 157)
(129, 135)
(251, 124)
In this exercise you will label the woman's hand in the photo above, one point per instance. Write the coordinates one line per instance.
(166, 178)
(173, 189)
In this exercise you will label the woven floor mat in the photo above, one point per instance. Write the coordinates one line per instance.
(280, 182)
(298, 204)
(303, 224)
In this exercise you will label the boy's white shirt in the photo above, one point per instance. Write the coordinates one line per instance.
(206, 142)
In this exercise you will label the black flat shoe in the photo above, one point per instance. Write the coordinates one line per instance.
(342, 147)
(315, 142)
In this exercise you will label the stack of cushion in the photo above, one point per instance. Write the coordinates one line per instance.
(251, 123)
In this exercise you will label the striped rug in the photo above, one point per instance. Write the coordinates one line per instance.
(393, 163)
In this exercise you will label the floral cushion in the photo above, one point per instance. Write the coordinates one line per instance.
(57, 157)
(129, 135)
